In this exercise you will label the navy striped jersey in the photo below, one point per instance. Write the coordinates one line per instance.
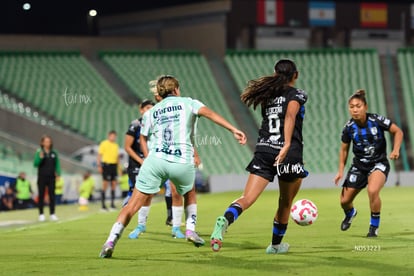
(271, 133)
(369, 144)
(134, 130)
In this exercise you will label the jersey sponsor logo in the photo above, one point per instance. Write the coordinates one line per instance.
(279, 100)
(369, 151)
(277, 146)
(300, 96)
(301, 91)
(169, 151)
(167, 109)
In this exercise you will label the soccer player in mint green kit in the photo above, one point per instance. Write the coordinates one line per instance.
(171, 153)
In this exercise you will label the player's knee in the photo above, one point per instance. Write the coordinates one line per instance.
(373, 193)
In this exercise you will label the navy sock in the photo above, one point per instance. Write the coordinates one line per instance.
(279, 231)
(349, 212)
(375, 219)
(233, 212)
(168, 202)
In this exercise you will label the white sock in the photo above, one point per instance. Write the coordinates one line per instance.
(191, 215)
(177, 212)
(143, 215)
(116, 232)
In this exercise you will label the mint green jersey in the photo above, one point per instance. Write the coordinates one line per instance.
(169, 126)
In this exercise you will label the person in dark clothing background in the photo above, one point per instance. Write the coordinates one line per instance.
(48, 164)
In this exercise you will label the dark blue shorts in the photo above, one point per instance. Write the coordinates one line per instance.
(357, 176)
(133, 172)
(262, 165)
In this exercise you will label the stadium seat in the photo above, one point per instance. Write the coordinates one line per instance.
(219, 152)
(329, 77)
(405, 58)
(59, 84)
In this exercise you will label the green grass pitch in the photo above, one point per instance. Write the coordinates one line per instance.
(71, 246)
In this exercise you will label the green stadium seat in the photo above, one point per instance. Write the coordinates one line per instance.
(405, 58)
(41, 79)
(329, 77)
(136, 69)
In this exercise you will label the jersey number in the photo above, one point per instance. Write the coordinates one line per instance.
(274, 127)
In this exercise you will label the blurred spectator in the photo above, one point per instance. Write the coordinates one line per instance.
(7, 200)
(48, 164)
(24, 192)
(107, 162)
(85, 191)
(59, 189)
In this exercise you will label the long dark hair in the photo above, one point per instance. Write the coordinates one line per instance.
(264, 89)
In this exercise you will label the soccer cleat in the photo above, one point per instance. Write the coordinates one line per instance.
(193, 237)
(168, 222)
(176, 233)
(277, 249)
(53, 217)
(137, 231)
(107, 250)
(346, 223)
(216, 238)
(372, 232)
(42, 218)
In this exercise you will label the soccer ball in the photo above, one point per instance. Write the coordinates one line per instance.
(304, 212)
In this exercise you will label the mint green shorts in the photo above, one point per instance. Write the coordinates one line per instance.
(155, 171)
